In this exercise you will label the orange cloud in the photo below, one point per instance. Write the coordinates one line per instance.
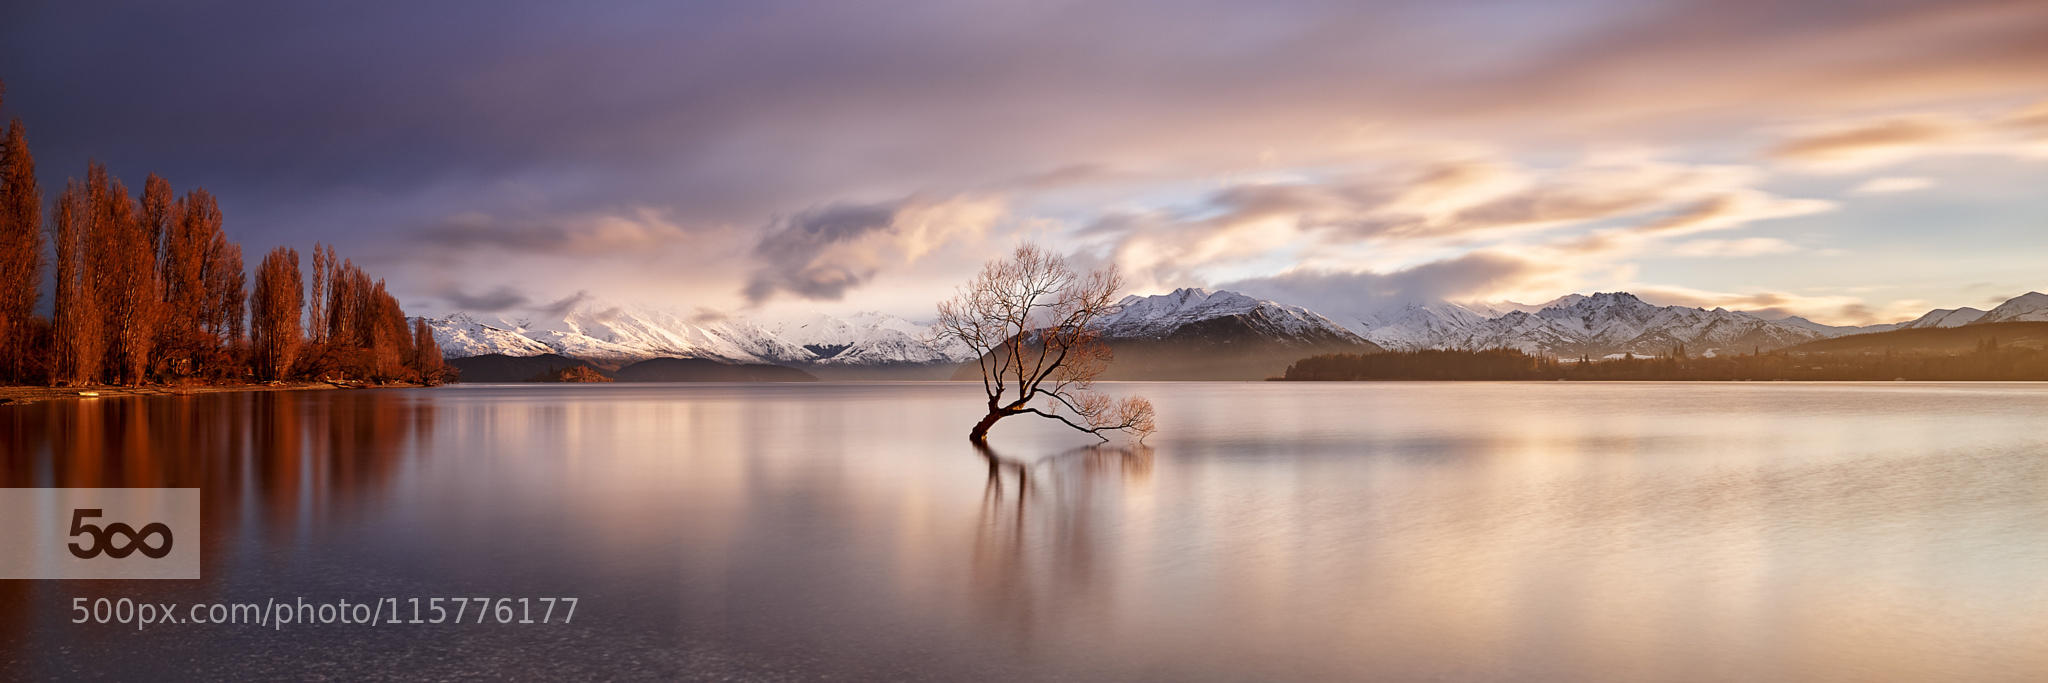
(1869, 142)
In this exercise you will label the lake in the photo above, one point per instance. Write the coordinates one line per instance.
(1269, 531)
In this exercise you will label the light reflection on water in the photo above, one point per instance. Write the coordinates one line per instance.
(1271, 530)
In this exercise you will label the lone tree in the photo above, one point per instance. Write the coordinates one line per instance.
(1028, 319)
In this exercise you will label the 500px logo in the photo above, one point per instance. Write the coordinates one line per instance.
(80, 533)
(102, 538)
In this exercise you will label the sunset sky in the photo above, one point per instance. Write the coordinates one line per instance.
(1850, 161)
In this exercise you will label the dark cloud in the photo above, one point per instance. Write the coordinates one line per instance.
(586, 235)
(493, 301)
(360, 122)
(737, 110)
(1460, 278)
(796, 254)
(562, 307)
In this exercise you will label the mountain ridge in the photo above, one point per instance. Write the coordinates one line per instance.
(1188, 324)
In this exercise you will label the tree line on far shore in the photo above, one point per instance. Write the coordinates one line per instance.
(1989, 361)
(149, 289)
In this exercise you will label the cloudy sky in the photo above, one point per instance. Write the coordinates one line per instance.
(1849, 161)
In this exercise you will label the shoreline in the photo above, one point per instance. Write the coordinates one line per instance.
(23, 395)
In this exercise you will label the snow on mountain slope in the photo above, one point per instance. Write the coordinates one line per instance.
(1613, 323)
(1577, 324)
(1597, 325)
(2028, 307)
(1944, 317)
(461, 336)
(1495, 309)
(618, 335)
(1160, 316)
(1833, 330)
(613, 335)
(868, 338)
(1417, 325)
(1617, 322)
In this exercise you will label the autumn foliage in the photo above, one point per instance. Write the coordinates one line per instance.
(21, 254)
(150, 289)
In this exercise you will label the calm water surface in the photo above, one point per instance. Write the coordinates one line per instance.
(1270, 531)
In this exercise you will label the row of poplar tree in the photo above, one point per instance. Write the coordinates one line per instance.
(150, 289)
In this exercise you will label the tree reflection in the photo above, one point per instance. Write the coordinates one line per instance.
(273, 460)
(1038, 552)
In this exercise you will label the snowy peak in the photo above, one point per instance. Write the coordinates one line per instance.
(2028, 307)
(1163, 315)
(1188, 303)
(1601, 304)
(460, 335)
(1193, 319)
(620, 335)
(1416, 326)
(1945, 317)
(1495, 309)
(868, 338)
(1600, 324)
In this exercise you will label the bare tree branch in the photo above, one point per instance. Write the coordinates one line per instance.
(1029, 319)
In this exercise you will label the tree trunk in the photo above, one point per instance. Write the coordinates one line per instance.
(980, 433)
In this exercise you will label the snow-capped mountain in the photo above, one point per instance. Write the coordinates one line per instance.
(2028, 307)
(1597, 325)
(1186, 330)
(868, 338)
(1617, 322)
(1194, 310)
(1414, 326)
(1198, 334)
(461, 336)
(1826, 330)
(617, 335)
(1944, 317)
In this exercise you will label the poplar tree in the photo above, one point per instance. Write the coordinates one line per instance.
(21, 251)
(79, 339)
(426, 354)
(274, 308)
(130, 299)
(191, 247)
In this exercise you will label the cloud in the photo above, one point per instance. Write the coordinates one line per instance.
(589, 234)
(795, 256)
(1620, 204)
(2031, 121)
(1466, 277)
(823, 253)
(1737, 248)
(1869, 143)
(1891, 185)
(1831, 310)
(572, 141)
(493, 301)
(1729, 210)
(563, 306)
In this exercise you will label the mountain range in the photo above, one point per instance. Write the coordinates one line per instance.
(1184, 334)
(614, 336)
